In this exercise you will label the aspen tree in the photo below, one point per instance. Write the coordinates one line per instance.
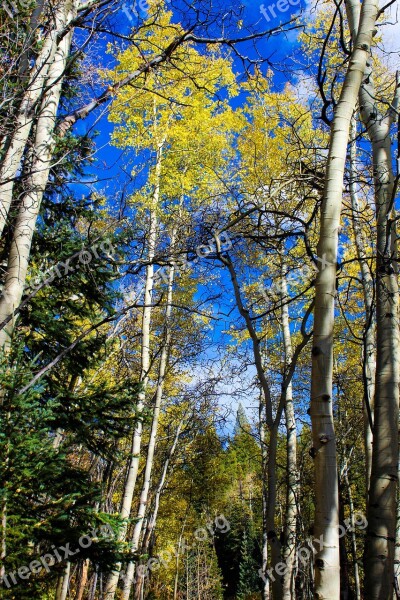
(382, 503)
(133, 463)
(144, 495)
(369, 358)
(290, 531)
(327, 566)
(29, 205)
(61, 15)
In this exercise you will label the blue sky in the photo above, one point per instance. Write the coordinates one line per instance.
(110, 162)
(277, 49)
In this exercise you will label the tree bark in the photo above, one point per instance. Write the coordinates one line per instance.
(382, 503)
(38, 81)
(153, 434)
(270, 442)
(29, 206)
(289, 548)
(133, 466)
(82, 581)
(273, 538)
(270, 445)
(327, 562)
(264, 462)
(63, 583)
(152, 521)
(369, 358)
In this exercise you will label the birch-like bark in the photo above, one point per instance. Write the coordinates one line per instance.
(369, 359)
(144, 496)
(396, 591)
(381, 514)
(273, 539)
(264, 462)
(133, 467)
(289, 548)
(16, 146)
(29, 207)
(353, 536)
(382, 502)
(63, 583)
(269, 441)
(327, 562)
(152, 520)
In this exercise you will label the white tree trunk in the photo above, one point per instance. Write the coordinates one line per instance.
(289, 548)
(152, 521)
(144, 496)
(38, 76)
(63, 583)
(382, 503)
(133, 466)
(380, 541)
(264, 462)
(327, 563)
(368, 292)
(24, 227)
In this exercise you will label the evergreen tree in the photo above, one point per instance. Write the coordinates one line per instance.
(249, 581)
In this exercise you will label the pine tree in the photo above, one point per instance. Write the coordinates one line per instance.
(249, 581)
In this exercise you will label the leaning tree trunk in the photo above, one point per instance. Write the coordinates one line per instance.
(35, 89)
(144, 496)
(133, 467)
(29, 206)
(152, 521)
(269, 432)
(327, 563)
(289, 547)
(270, 445)
(369, 358)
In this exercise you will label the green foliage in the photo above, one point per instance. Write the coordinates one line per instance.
(49, 495)
(249, 581)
